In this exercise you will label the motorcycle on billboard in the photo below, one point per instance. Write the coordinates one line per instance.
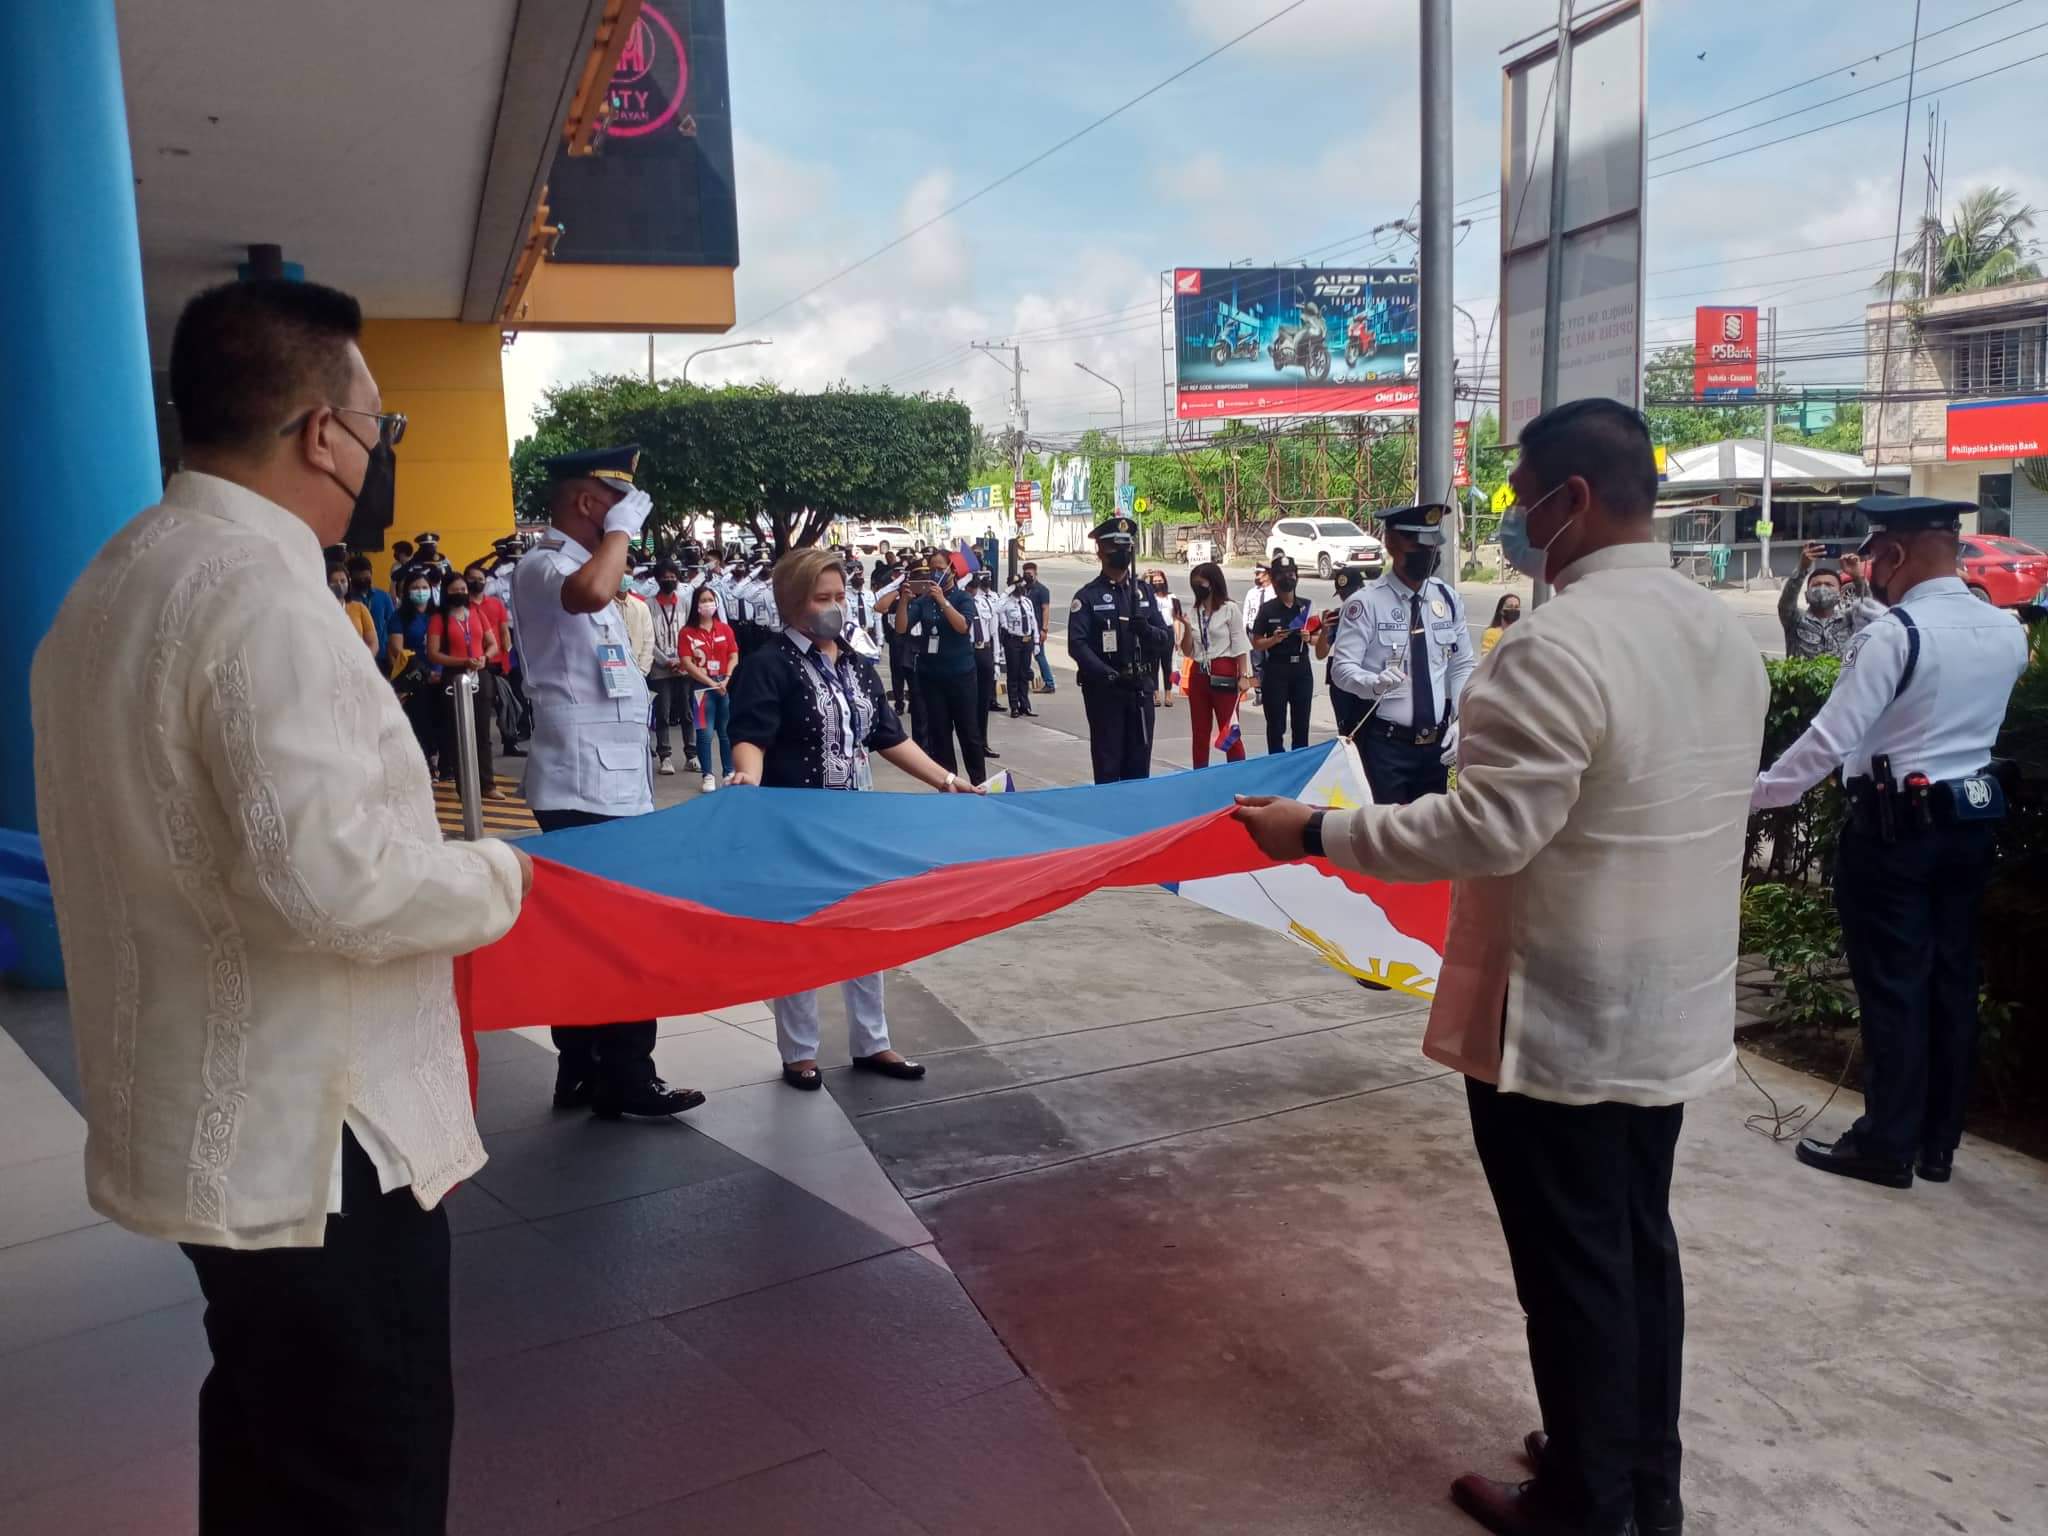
(1262, 341)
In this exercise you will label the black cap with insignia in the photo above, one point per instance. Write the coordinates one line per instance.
(1910, 514)
(1347, 580)
(1424, 521)
(1114, 528)
(614, 466)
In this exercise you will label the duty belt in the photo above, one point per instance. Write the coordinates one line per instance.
(1427, 736)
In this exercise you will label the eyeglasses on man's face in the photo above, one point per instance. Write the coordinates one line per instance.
(390, 424)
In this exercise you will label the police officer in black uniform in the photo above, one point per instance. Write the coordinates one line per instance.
(1117, 639)
(1348, 707)
(1910, 724)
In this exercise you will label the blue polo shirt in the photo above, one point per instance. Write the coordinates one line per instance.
(956, 650)
(382, 606)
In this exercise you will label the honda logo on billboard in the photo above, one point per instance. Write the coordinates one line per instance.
(1187, 280)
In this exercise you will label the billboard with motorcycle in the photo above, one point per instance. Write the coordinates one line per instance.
(1295, 341)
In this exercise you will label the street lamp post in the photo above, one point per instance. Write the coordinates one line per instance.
(723, 346)
(1123, 465)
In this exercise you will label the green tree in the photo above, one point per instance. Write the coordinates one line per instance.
(786, 465)
(1987, 243)
(1678, 422)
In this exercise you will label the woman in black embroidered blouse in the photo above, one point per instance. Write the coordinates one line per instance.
(806, 714)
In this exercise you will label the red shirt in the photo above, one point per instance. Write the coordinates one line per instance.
(495, 620)
(714, 649)
(460, 641)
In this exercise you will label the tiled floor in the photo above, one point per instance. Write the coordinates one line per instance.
(729, 1323)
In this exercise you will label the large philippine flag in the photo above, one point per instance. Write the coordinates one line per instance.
(756, 893)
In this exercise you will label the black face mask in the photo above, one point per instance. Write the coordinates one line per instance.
(376, 505)
(1283, 585)
(1117, 558)
(1508, 616)
(1418, 564)
(666, 586)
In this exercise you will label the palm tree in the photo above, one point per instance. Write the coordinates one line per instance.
(1988, 243)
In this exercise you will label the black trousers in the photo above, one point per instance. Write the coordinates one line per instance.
(1584, 1195)
(1288, 691)
(901, 678)
(1119, 731)
(619, 1053)
(1909, 928)
(1399, 771)
(1017, 653)
(672, 707)
(480, 710)
(952, 707)
(1349, 709)
(330, 1407)
(985, 682)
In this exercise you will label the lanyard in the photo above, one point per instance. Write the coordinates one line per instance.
(839, 690)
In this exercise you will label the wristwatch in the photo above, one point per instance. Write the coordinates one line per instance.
(1312, 835)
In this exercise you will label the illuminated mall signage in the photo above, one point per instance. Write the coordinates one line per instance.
(658, 191)
(651, 78)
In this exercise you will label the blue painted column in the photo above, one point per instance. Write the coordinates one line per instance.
(78, 450)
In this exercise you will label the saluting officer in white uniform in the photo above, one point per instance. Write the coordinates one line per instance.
(1910, 725)
(588, 762)
(1403, 649)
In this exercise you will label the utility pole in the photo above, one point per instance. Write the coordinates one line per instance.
(1439, 349)
(1020, 421)
(1553, 256)
(1770, 443)
(650, 357)
(1123, 464)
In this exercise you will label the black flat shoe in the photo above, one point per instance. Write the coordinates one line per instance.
(1846, 1157)
(804, 1080)
(986, 753)
(1935, 1167)
(909, 1071)
(650, 1099)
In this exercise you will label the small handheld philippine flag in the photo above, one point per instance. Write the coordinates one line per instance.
(1229, 738)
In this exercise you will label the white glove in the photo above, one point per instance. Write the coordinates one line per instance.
(1449, 757)
(629, 514)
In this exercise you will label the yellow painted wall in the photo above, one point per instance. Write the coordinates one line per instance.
(454, 467)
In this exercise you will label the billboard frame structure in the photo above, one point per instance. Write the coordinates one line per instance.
(1613, 222)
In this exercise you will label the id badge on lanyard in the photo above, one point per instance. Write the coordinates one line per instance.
(613, 667)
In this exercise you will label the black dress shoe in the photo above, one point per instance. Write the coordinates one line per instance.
(571, 1092)
(986, 752)
(650, 1097)
(1520, 1509)
(1847, 1157)
(909, 1071)
(1935, 1167)
(515, 750)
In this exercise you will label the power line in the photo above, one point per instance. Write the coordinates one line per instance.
(1012, 174)
(1694, 165)
(1829, 74)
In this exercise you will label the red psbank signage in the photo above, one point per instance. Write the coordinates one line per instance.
(1998, 429)
(1723, 352)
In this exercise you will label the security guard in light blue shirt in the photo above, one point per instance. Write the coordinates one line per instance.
(1910, 724)
(1403, 650)
(589, 759)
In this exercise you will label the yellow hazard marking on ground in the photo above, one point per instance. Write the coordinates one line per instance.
(500, 817)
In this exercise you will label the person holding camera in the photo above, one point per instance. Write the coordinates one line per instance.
(1214, 639)
(1280, 634)
(1116, 638)
(947, 678)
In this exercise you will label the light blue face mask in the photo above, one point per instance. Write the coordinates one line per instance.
(1515, 545)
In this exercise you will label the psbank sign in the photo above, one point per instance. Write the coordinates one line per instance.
(1724, 353)
(1998, 429)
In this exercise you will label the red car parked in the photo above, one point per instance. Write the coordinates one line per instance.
(2001, 570)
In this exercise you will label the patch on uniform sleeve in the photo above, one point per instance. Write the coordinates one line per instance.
(1355, 609)
(1075, 607)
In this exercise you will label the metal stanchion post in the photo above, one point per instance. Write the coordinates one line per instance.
(471, 792)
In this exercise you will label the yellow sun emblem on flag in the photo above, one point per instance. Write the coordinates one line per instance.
(1397, 975)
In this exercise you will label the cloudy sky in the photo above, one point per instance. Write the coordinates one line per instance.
(856, 122)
